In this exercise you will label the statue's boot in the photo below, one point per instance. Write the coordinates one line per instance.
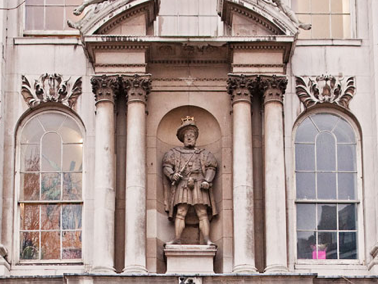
(209, 242)
(305, 26)
(174, 242)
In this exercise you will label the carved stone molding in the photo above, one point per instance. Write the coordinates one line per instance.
(273, 87)
(239, 87)
(105, 88)
(137, 87)
(325, 89)
(51, 88)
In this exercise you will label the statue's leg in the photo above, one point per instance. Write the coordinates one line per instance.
(182, 210)
(204, 223)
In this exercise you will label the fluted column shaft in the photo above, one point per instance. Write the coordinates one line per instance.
(104, 88)
(275, 197)
(244, 244)
(135, 236)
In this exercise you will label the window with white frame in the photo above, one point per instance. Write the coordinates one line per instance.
(49, 14)
(50, 194)
(330, 19)
(326, 188)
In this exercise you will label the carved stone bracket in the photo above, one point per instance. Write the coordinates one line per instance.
(137, 87)
(51, 88)
(105, 88)
(273, 87)
(325, 89)
(242, 87)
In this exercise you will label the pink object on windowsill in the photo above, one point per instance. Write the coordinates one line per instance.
(321, 254)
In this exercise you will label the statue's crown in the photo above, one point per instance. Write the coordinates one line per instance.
(187, 120)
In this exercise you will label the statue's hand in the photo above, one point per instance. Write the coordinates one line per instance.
(205, 185)
(176, 177)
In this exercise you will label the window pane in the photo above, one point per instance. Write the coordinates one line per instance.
(54, 18)
(51, 121)
(305, 185)
(34, 18)
(340, 26)
(326, 185)
(306, 217)
(30, 158)
(320, 6)
(321, 26)
(301, 6)
(327, 241)
(73, 2)
(29, 245)
(344, 132)
(304, 157)
(306, 132)
(49, 2)
(32, 132)
(72, 158)
(348, 245)
(50, 242)
(70, 132)
(71, 217)
(340, 6)
(51, 185)
(72, 245)
(327, 217)
(346, 157)
(34, 2)
(72, 186)
(305, 244)
(29, 217)
(50, 217)
(29, 187)
(347, 186)
(326, 152)
(325, 122)
(51, 152)
(347, 217)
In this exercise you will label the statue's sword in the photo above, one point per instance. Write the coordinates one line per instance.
(183, 168)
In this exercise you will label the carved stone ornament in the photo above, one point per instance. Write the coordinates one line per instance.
(51, 88)
(137, 87)
(239, 87)
(105, 88)
(325, 89)
(273, 87)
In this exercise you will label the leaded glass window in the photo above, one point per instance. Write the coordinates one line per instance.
(50, 196)
(326, 183)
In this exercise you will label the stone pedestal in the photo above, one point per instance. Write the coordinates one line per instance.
(189, 259)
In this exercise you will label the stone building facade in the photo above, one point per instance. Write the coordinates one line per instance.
(88, 110)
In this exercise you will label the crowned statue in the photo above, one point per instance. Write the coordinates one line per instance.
(190, 172)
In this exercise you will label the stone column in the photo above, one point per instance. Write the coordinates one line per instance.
(105, 88)
(138, 88)
(239, 88)
(275, 197)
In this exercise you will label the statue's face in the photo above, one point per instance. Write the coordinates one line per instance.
(190, 138)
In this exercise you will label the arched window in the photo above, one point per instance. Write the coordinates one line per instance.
(50, 151)
(326, 188)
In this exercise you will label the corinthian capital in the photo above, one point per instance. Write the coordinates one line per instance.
(105, 88)
(273, 88)
(241, 87)
(137, 87)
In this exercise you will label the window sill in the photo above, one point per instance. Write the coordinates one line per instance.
(332, 268)
(46, 41)
(329, 42)
(52, 33)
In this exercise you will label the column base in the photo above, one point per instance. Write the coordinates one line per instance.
(134, 269)
(103, 270)
(244, 268)
(182, 259)
(276, 268)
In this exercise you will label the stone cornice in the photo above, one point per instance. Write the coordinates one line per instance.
(51, 88)
(325, 89)
(105, 88)
(137, 87)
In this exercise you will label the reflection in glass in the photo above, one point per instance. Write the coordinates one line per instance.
(347, 217)
(29, 245)
(348, 245)
(29, 216)
(327, 217)
(325, 122)
(326, 185)
(346, 157)
(305, 185)
(73, 157)
(51, 152)
(306, 216)
(305, 243)
(72, 245)
(71, 217)
(344, 132)
(50, 186)
(306, 132)
(50, 217)
(72, 186)
(305, 157)
(50, 245)
(326, 152)
(328, 242)
(30, 157)
(29, 187)
(347, 186)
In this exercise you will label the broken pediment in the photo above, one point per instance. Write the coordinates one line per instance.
(255, 18)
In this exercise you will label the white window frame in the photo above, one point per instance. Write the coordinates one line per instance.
(325, 263)
(353, 21)
(16, 260)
